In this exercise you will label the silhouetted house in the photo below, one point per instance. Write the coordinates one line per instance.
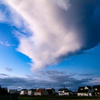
(12, 91)
(51, 91)
(31, 92)
(96, 89)
(24, 92)
(41, 92)
(64, 91)
(85, 91)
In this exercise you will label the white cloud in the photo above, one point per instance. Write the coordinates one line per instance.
(10, 16)
(64, 4)
(2, 17)
(51, 37)
(96, 80)
(5, 43)
(1, 43)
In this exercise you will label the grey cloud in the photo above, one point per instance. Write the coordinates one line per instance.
(81, 16)
(59, 80)
(1, 74)
(56, 81)
(86, 10)
(86, 74)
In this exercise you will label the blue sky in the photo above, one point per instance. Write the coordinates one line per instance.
(49, 42)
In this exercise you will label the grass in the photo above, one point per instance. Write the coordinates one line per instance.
(57, 98)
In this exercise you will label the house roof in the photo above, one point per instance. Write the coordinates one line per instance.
(23, 89)
(32, 90)
(50, 89)
(96, 86)
(89, 87)
(83, 90)
(63, 89)
(39, 90)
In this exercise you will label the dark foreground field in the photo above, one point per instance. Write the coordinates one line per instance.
(57, 98)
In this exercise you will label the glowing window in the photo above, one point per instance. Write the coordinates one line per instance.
(81, 88)
(95, 89)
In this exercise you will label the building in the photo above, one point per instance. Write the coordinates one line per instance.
(31, 92)
(41, 92)
(85, 91)
(96, 89)
(64, 91)
(12, 91)
(51, 91)
(24, 92)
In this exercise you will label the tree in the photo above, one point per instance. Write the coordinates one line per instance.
(3, 90)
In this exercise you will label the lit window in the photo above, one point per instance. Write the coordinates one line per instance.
(81, 88)
(95, 89)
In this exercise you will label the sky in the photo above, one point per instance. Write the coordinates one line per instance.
(49, 43)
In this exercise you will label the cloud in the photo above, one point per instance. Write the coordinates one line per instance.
(3, 75)
(5, 43)
(96, 81)
(86, 74)
(8, 69)
(59, 79)
(10, 16)
(59, 28)
(56, 80)
(2, 16)
(64, 4)
(47, 43)
(1, 43)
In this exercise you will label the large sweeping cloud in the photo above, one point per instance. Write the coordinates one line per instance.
(59, 28)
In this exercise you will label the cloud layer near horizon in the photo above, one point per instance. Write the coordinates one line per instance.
(46, 79)
(58, 28)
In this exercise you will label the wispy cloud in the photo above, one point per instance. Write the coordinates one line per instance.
(1, 43)
(10, 16)
(64, 4)
(5, 43)
(96, 81)
(2, 75)
(2, 17)
(8, 69)
(86, 74)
